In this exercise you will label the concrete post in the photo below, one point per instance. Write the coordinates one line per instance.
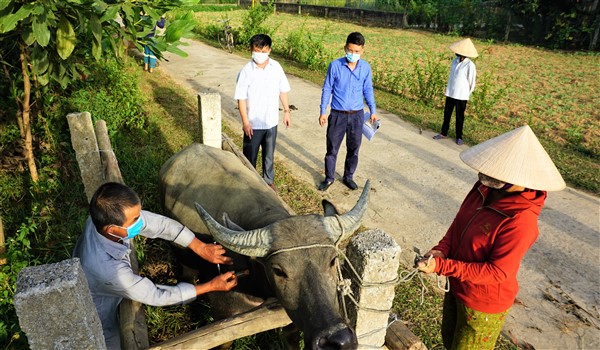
(85, 144)
(376, 257)
(55, 308)
(209, 109)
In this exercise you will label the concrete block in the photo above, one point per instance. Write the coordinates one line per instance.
(209, 110)
(85, 144)
(376, 258)
(55, 308)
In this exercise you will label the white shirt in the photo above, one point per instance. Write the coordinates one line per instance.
(109, 275)
(260, 87)
(462, 79)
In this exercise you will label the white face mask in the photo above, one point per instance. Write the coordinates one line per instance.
(260, 57)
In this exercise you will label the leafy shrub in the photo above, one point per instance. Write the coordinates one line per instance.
(111, 94)
(487, 94)
(253, 22)
(302, 47)
(428, 79)
(18, 255)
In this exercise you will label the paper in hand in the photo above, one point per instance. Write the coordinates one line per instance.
(369, 129)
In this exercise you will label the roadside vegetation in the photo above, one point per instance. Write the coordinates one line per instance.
(150, 118)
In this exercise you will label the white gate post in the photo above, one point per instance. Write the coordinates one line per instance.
(209, 112)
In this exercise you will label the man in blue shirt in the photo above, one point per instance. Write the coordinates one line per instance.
(348, 84)
(116, 216)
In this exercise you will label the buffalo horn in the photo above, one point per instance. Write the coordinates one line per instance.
(255, 243)
(343, 226)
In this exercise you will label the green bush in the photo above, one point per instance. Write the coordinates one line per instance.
(18, 255)
(253, 22)
(302, 47)
(111, 94)
(428, 79)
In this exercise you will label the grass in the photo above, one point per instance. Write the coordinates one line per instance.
(554, 92)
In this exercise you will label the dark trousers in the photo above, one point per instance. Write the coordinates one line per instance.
(461, 106)
(264, 139)
(340, 125)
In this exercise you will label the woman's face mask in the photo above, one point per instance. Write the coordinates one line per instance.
(493, 183)
(132, 230)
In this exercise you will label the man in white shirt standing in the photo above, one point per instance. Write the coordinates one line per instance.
(261, 84)
(116, 217)
(460, 86)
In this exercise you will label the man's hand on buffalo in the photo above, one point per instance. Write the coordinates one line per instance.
(222, 283)
(214, 253)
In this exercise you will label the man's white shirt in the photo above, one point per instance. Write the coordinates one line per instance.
(260, 87)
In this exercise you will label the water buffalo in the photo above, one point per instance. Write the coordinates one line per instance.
(201, 183)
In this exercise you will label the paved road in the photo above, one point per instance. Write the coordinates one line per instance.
(417, 187)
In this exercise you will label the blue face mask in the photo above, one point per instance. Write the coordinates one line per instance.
(352, 57)
(132, 230)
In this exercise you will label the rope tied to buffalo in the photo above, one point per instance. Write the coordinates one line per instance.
(344, 286)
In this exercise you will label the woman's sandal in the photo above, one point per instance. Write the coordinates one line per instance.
(439, 137)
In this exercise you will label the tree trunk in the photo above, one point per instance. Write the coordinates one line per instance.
(405, 15)
(508, 24)
(594, 39)
(26, 118)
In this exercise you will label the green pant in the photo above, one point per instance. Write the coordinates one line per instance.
(466, 329)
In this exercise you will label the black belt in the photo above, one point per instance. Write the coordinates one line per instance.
(345, 112)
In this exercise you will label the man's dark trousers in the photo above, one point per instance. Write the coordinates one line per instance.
(265, 139)
(340, 124)
(461, 106)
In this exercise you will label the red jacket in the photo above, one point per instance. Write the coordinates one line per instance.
(484, 247)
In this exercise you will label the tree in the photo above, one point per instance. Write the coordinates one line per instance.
(46, 44)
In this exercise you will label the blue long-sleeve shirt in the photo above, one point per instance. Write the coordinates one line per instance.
(110, 277)
(348, 89)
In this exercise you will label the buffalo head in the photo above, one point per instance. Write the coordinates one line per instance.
(300, 260)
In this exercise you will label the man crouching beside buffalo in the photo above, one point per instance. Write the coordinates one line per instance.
(116, 216)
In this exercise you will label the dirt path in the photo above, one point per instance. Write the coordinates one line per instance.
(417, 187)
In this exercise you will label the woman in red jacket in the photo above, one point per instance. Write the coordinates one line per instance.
(495, 226)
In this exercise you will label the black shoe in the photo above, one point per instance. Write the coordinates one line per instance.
(324, 185)
(351, 184)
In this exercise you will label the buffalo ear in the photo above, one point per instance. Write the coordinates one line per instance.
(328, 208)
(230, 224)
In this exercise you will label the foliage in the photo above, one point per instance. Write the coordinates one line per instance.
(428, 77)
(18, 255)
(49, 43)
(111, 94)
(212, 7)
(253, 22)
(302, 46)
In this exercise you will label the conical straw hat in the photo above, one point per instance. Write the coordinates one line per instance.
(465, 48)
(516, 157)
